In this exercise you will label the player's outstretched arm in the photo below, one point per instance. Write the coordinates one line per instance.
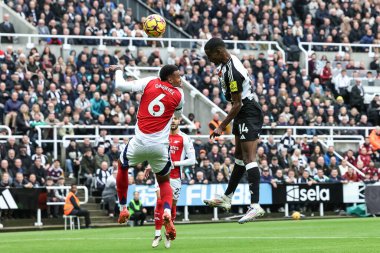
(128, 86)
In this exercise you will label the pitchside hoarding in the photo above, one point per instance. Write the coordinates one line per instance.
(316, 193)
(193, 195)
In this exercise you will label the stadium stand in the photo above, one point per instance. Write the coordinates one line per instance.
(43, 88)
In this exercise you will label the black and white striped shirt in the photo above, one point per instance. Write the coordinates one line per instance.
(234, 77)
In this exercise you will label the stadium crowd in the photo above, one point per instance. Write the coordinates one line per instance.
(44, 89)
(41, 88)
(284, 21)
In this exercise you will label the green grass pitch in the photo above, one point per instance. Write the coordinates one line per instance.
(328, 235)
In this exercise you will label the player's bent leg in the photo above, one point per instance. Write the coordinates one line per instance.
(166, 197)
(122, 190)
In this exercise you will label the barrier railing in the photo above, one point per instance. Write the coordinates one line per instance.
(331, 137)
(309, 48)
(80, 187)
(101, 39)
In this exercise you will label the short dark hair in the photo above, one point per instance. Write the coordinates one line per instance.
(214, 43)
(166, 71)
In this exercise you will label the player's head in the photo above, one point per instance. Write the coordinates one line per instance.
(215, 50)
(170, 74)
(175, 123)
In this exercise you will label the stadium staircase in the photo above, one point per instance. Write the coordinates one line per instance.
(20, 24)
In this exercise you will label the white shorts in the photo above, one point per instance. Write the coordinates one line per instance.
(176, 187)
(157, 156)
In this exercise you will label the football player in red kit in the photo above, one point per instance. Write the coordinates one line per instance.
(162, 97)
(182, 154)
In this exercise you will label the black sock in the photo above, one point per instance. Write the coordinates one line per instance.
(254, 181)
(236, 175)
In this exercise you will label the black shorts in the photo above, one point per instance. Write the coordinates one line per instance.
(248, 123)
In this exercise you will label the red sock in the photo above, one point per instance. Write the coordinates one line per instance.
(166, 194)
(174, 213)
(122, 184)
(158, 212)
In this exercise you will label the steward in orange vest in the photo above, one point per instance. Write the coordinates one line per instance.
(72, 204)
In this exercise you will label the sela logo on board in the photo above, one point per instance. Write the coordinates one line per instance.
(294, 194)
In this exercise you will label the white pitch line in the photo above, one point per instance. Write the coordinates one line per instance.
(197, 238)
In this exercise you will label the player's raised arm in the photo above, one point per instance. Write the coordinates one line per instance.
(129, 86)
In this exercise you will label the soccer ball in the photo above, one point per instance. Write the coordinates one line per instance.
(296, 216)
(154, 25)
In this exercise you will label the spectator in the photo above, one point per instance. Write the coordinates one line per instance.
(6, 27)
(19, 181)
(101, 157)
(140, 179)
(109, 194)
(102, 174)
(52, 210)
(88, 166)
(214, 155)
(287, 141)
(350, 176)
(311, 169)
(279, 177)
(6, 180)
(207, 169)
(23, 119)
(39, 155)
(72, 206)
(42, 28)
(321, 177)
(200, 178)
(334, 177)
(55, 171)
(357, 96)
(38, 170)
(11, 108)
(220, 179)
(73, 158)
(82, 103)
(364, 157)
(266, 177)
(97, 105)
(305, 178)
(136, 210)
(329, 154)
(343, 167)
(32, 182)
(291, 177)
